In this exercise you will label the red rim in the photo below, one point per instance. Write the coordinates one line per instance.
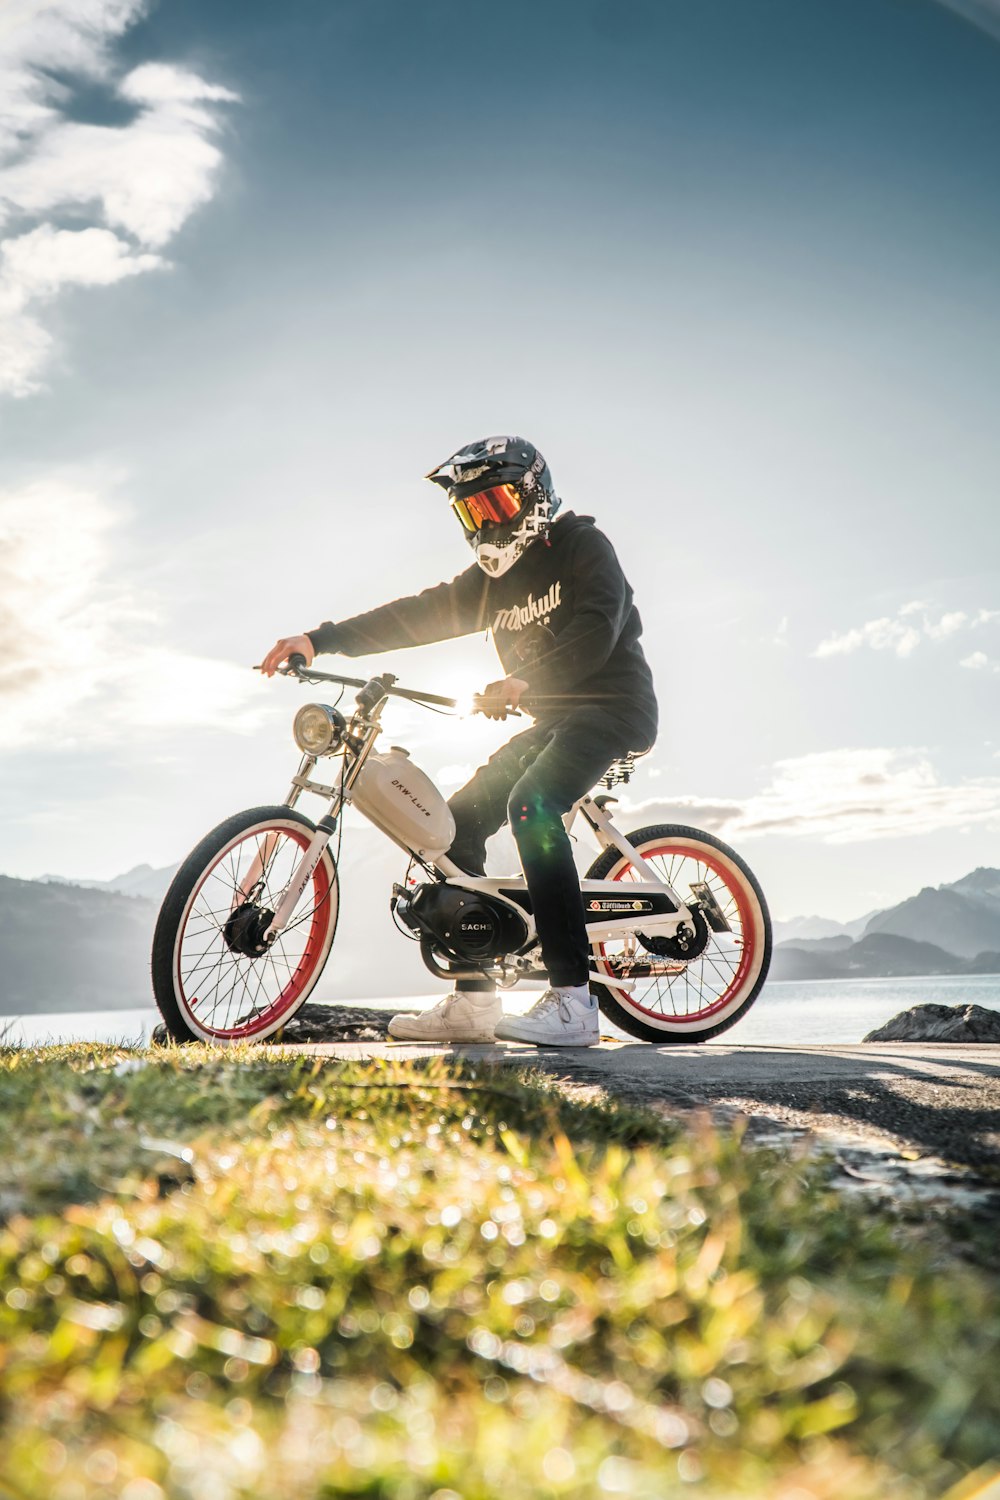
(737, 892)
(300, 977)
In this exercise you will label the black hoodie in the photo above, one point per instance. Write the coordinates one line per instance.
(562, 619)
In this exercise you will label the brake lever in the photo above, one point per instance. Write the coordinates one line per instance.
(300, 674)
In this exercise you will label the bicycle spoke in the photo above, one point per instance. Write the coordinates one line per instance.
(228, 992)
(704, 985)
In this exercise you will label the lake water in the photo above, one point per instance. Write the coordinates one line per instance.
(785, 1012)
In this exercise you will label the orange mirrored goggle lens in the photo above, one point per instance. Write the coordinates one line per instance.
(489, 507)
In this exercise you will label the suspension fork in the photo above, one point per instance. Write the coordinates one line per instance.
(325, 828)
(244, 891)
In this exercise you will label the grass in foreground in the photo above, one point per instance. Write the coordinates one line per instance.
(227, 1276)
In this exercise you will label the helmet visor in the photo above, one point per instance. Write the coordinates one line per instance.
(492, 507)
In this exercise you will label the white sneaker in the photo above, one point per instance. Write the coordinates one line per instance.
(462, 1016)
(561, 1018)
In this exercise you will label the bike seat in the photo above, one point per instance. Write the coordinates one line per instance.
(621, 770)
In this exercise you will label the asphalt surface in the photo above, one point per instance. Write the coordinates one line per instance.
(918, 1099)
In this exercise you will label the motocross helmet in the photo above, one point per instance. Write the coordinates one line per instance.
(500, 488)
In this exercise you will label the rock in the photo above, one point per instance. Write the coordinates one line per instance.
(319, 1023)
(940, 1023)
(337, 1023)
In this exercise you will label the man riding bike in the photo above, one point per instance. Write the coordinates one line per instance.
(551, 591)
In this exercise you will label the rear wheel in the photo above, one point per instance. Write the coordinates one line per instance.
(673, 999)
(210, 982)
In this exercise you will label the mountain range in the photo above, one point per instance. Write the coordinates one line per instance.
(142, 880)
(945, 929)
(84, 945)
(65, 947)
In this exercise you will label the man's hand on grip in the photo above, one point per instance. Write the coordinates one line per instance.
(499, 699)
(289, 645)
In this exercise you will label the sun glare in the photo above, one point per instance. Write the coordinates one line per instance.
(453, 738)
(465, 686)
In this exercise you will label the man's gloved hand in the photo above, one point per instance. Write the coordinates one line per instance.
(283, 649)
(499, 699)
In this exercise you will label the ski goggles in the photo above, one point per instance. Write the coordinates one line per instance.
(491, 507)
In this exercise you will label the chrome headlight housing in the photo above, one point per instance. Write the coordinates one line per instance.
(319, 729)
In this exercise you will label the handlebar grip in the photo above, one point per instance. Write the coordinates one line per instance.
(479, 707)
(297, 661)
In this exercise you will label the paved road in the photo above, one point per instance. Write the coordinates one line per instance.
(932, 1098)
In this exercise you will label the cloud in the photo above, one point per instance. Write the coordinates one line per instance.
(24, 350)
(164, 84)
(50, 546)
(840, 797)
(141, 180)
(881, 635)
(946, 626)
(39, 263)
(903, 632)
(145, 177)
(712, 815)
(979, 662)
(852, 796)
(79, 662)
(44, 40)
(34, 268)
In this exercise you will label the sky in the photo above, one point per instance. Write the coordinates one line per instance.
(730, 264)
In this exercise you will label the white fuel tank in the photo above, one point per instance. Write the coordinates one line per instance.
(404, 803)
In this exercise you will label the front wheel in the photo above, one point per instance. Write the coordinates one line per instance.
(210, 983)
(673, 999)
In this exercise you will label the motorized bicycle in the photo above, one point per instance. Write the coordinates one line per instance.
(679, 928)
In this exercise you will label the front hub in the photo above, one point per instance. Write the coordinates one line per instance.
(244, 932)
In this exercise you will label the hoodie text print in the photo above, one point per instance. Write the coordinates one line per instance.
(570, 591)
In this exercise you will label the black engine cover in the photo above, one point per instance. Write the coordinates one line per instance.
(464, 924)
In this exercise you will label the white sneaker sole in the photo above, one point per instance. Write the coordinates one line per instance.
(512, 1033)
(416, 1034)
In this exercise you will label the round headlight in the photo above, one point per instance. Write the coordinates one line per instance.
(318, 729)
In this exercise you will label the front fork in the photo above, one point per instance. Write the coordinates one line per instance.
(247, 888)
(325, 829)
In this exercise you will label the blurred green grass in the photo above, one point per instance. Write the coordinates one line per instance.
(228, 1274)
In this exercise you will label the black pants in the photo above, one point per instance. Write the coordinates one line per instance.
(532, 781)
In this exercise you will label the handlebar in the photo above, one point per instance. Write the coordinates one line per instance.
(297, 668)
(376, 687)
